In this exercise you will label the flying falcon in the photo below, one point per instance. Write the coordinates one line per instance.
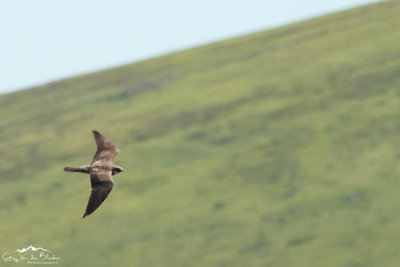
(101, 170)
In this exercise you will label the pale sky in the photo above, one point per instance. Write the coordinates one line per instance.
(47, 40)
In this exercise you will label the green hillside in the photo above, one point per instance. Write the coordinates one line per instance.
(279, 148)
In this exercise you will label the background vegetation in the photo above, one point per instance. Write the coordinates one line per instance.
(279, 148)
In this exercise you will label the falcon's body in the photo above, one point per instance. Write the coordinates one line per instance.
(101, 170)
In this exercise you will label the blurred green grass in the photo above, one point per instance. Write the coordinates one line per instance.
(278, 148)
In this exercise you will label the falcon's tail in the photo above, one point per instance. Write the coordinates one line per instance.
(84, 169)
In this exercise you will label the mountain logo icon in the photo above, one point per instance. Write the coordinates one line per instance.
(31, 248)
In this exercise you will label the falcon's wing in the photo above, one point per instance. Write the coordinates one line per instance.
(102, 185)
(106, 151)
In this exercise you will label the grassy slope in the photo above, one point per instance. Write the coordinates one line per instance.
(279, 148)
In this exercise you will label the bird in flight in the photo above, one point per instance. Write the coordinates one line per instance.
(101, 170)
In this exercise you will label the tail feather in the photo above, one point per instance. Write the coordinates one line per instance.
(72, 169)
(83, 169)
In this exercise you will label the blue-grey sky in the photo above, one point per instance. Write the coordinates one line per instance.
(47, 40)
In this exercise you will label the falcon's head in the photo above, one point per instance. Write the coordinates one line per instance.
(116, 170)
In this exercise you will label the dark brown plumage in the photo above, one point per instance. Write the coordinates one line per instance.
(101, 170)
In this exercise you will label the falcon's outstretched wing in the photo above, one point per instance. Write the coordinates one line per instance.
(106, 151)
(102, 184)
